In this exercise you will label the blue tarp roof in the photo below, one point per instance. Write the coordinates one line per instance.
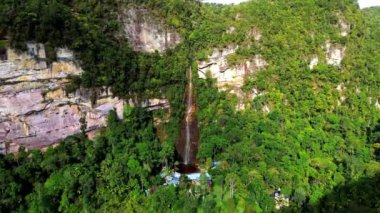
(197, 176)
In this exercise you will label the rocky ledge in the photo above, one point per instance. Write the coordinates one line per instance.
(231, 77)
(35, 111)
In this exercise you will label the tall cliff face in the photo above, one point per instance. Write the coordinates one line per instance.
(217, 67)
(146, 32)
(34, 110)
(232, 78)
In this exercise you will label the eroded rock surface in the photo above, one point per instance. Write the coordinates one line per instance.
(231, 77)
(150, 104)
(217, 67)
(146, 32)
(343, 25)
(255, 33)
(314, 62)
(231, 30)
(334, 54)
(341, 88)
(34, 110)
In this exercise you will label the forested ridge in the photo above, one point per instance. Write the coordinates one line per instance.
(319, 148)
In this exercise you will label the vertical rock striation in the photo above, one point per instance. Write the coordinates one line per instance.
(217, 67)
(34, 110)
(146, 32)
(231, 77)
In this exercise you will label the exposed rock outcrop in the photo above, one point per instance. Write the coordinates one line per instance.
(231, 30)
(334, 53)
(146, 33)
(341, 90)
(344, 26)
(34, 109)
(217, 67)
(151, 104)
(255, 33)
(314, 62)
(231, 77)
(375, 102)
(64, 54)
(255, 93)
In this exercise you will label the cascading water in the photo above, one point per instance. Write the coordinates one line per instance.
(189, 109)
(187, 144)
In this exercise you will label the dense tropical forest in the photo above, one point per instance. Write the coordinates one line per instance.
(322, 150)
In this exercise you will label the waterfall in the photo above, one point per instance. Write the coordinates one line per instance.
(187, 143)
(189, 111)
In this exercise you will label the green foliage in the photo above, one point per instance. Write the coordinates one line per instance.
(353, 197)
(84, 174)
(308, 142)
(3, 44)
(313, 140)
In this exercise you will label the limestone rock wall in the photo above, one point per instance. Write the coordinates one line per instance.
(231, 77)
(35, 112)
(314, 62)
(146, 32)
(217, 67)
(344, 26)
(334, 53)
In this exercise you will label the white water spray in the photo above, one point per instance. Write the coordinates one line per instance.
(189, 109)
